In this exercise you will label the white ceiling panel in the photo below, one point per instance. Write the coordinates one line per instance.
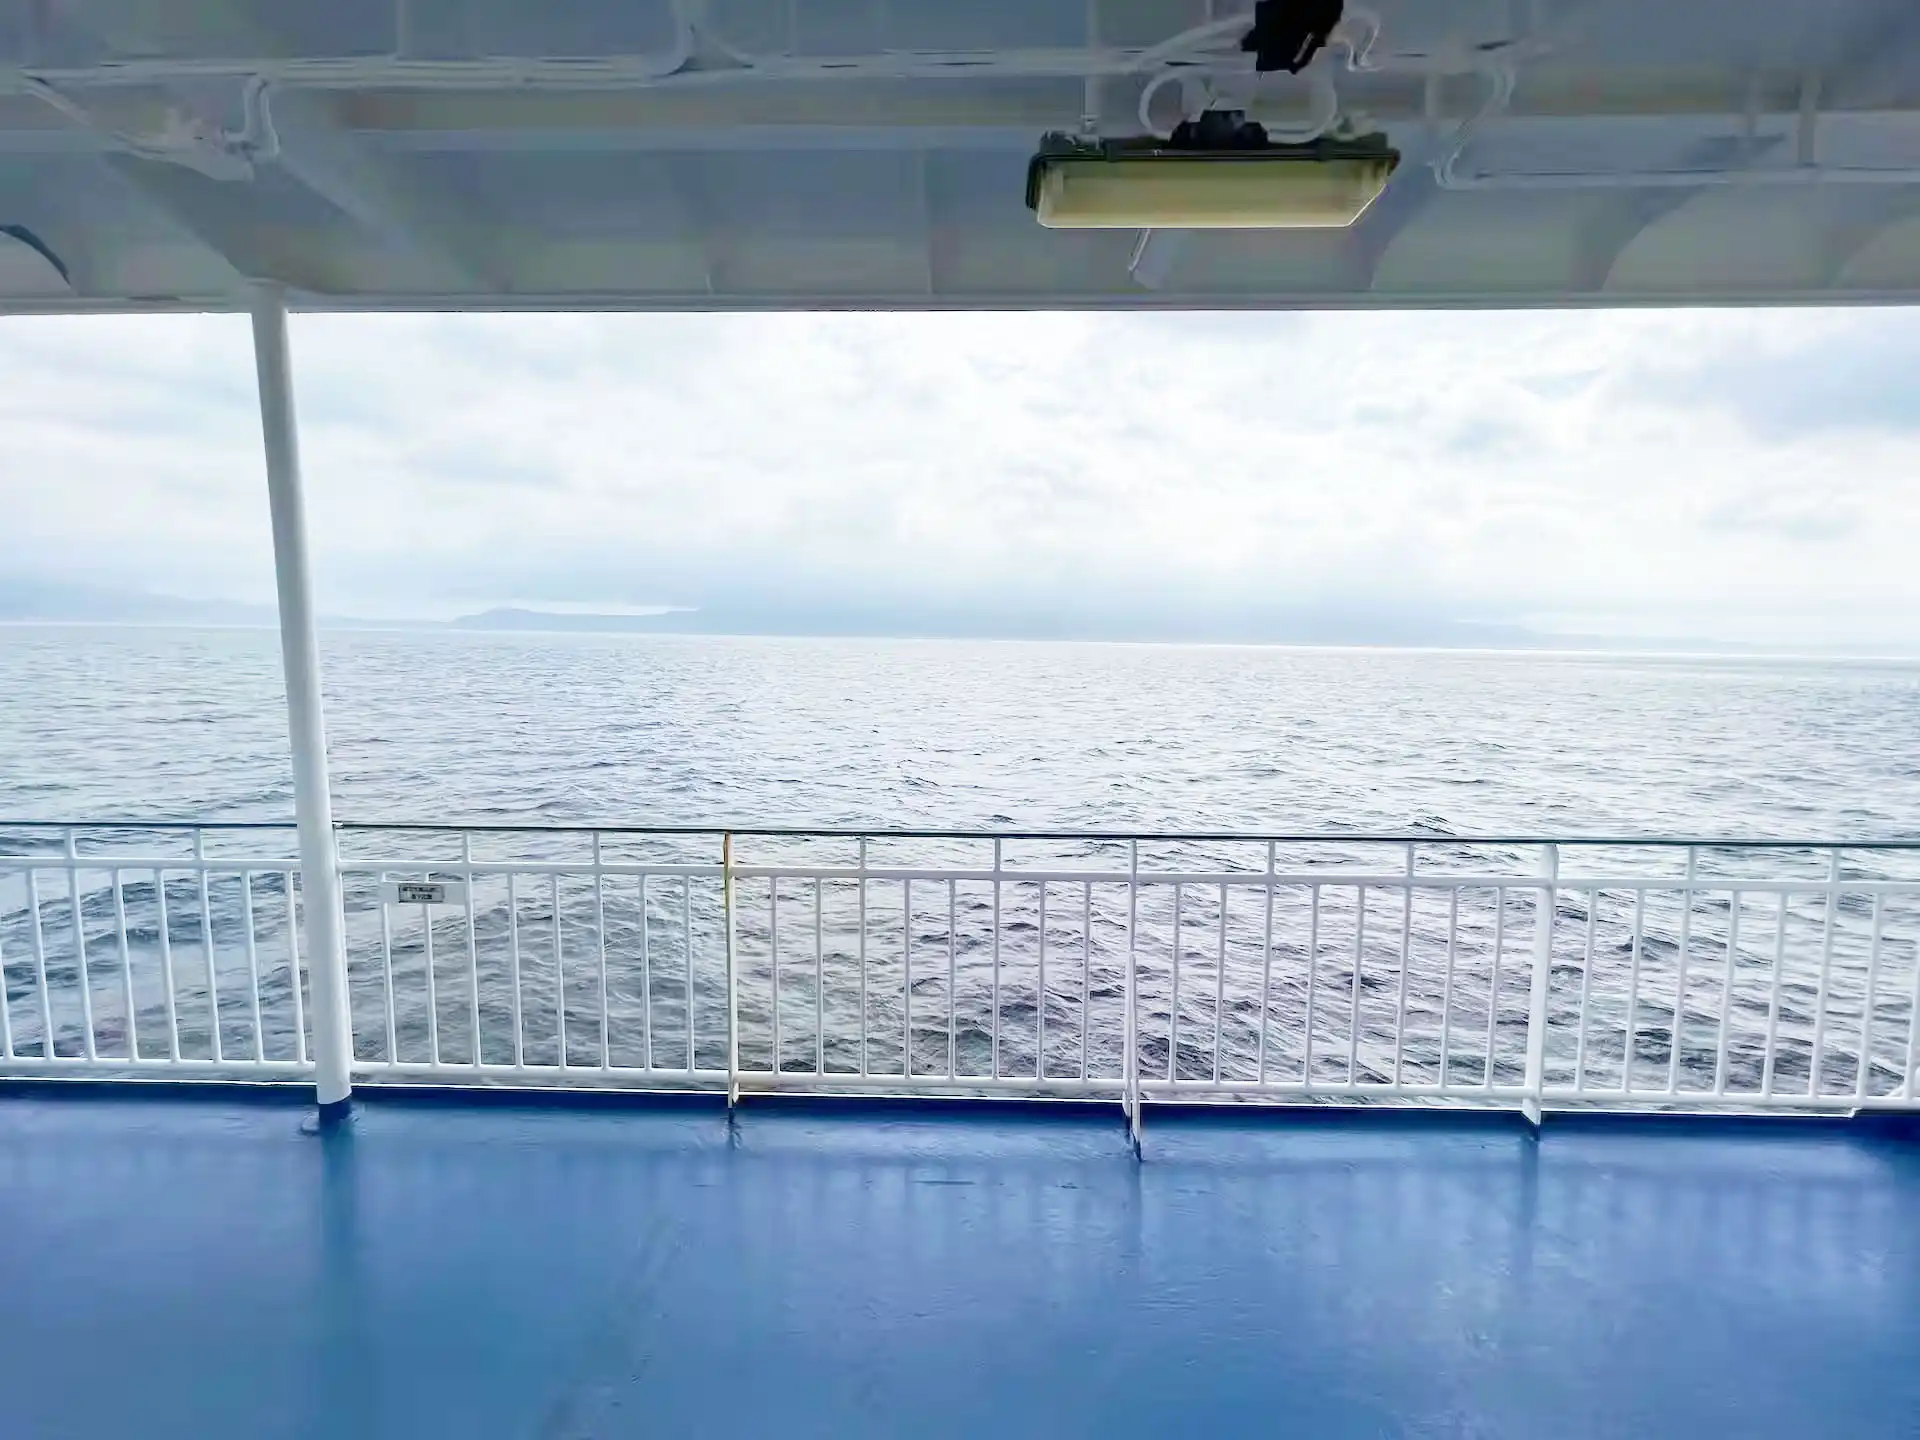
(661, 154)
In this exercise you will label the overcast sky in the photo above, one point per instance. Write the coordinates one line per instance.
(1729, 475)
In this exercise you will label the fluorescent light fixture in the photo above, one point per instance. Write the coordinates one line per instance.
(1128, 185)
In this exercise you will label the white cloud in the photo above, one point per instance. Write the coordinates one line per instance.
(1625, 467)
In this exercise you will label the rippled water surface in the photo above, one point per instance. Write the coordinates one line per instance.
(111, 723)
(1337, 982)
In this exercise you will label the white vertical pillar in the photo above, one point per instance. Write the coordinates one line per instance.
(300, 654)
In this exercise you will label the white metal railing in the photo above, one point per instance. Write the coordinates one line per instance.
(1390, 969)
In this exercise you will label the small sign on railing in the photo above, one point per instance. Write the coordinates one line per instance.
(423, 892)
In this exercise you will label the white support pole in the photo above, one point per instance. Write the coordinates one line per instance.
(300, 654)
(1542, 978)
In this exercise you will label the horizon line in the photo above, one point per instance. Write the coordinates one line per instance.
(1625, 648)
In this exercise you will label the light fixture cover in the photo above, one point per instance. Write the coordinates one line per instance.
(1128, 185)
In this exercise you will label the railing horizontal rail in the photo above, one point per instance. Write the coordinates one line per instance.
(883, 833)
(741, 962)
(107, 1066)
(1010, 874)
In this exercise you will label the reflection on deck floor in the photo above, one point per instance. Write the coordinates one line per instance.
(206, 1267)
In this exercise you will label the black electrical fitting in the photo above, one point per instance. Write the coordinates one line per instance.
(1287, 34)
(1217, 130)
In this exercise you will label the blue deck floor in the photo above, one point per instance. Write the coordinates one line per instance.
(210, 1268)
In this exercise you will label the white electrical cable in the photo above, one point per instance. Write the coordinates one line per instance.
(1323, 117)
(1195, 42)
(188, 140)
(1360, 54)
(41, 90)
(257, 136)
(185, 139)
(1201, 45)
(180, 139)
(1189, 63)
(1203, 52)
(1499, 94)
(1203, 49)
(1152, 88)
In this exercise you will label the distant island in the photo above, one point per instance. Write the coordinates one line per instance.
(25, 603)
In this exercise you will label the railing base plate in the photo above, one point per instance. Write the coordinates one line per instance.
(333, 1113)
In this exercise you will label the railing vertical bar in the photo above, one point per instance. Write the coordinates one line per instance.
(1406, 959)
(733, 986)
(1679, 1028)
(1040, 996)
(1359, 960)
(1913, 1025)
(1313, 978)
(1726, 993)
(1446, 989)
(253, 962)
(953, 1003)
(1773, 1003)
(646, 977)
(206, 941)
(1173, 1010)
(994, 1027)
(513, 971)
(1266, 966)
(819, 986)
(1826, 975)
(600, 943)
(79, 947)
(1546, 907)
(6, 994)
(559, 972)
(126, 973)
(1632, 1038)
(1493, 984)
(1586, 993)
(686, 935)
(293, 972)
(773, 964)
(1863, 1074)
(862, 949)
(473, 945)
(1220, 984)
(74, 905)
(386, 955)
(433, 992)
(1130, 1055)
(1130, 1051)
(1086, 970)
(166, 957)
(39, 942)
(906, 978)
